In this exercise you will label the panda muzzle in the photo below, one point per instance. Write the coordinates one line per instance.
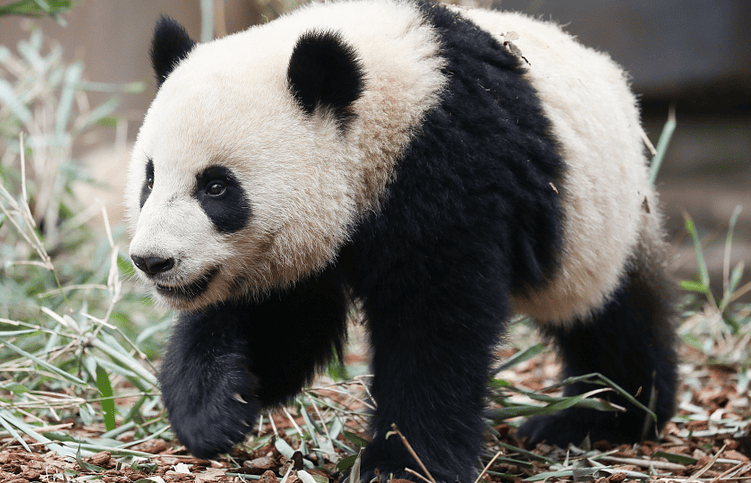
(153, 265)
(189, 291)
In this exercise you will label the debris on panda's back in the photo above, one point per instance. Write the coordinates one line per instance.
(508, 42)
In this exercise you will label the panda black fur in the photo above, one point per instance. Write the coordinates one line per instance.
(398, 154)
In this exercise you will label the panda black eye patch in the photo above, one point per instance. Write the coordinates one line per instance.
(222, 198)
(148, 183)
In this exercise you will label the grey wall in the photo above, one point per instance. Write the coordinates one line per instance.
(663, 43)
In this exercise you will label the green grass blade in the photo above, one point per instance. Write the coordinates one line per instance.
(520, 357)
(114, 368)
(36, 8)
(735, 279)
(111, 88)
(13, 433)
(523, 452)
(728, 285)
(284, 448)
(662, 145)
(17, 333)
(45, 364)
(553, 475)
(97, 114)
(125, 266)
(559, 404)
(65, 103)
(29, 430)
(107, 402)
(84, 465)
(96, 448)
(9, 98)
(699, 254)
(111, 349)
(354, 475)
(207, 20)
(592, 378)
(694, 286)
(355, 439)
(675, 458)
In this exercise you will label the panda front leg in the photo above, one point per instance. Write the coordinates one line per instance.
(223, 363)
(434, 327)
(207, 388)
(631, 341)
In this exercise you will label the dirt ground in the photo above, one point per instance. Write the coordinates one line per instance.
(711, 442)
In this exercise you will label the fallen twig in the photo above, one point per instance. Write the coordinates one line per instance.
(412, 452)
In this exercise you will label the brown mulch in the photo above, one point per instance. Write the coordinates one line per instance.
(715, 436)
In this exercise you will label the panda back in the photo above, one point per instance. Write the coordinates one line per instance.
(605, 194)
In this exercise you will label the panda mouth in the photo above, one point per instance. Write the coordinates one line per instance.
(189, 291)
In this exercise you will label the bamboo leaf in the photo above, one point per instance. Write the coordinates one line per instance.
(87, 414)
(694, 286)
(107, 402)
(14, 433)
(9, 98)
(36, 8)
(106, 87)
(29, 430)
(699, 254)
(520, 357)
(662, 145)
(675, 458)
(44, 364)
(355, 439)
(65, 103)
(97, 114)
(284, 448)
(110, 347)
(86, 466)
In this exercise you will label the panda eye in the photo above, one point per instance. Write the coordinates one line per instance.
(148, 182)
(216, 188)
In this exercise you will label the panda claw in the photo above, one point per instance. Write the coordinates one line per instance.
(239, 398)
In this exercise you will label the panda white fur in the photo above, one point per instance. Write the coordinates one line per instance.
(397, 153)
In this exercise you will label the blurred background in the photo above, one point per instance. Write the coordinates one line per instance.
(694, 55)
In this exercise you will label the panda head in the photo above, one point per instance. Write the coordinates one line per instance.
(235, 185)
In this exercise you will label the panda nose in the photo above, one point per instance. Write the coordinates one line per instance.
(153, 265)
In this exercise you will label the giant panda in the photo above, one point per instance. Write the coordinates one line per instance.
(414, 160)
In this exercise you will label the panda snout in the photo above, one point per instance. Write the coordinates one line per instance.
(153, 265)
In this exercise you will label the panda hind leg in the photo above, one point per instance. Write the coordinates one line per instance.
(632, 341)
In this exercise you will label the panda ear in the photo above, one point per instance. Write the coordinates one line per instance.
(169, 46)
(325, 72)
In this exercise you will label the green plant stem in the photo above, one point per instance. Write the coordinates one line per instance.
(662, 145)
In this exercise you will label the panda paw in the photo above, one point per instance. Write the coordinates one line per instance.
(574, 425)
(381, 474)
(211, 412)
(386, 471)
